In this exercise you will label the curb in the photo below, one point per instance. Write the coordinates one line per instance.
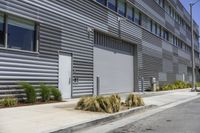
(109, 118)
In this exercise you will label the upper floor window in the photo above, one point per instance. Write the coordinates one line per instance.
(2, 33)
(130, 13)
(166, 35)
(161, 2)
(170, 38)
(137, 17)
(103, 2)
(154, 28)
(112, 4)
(21, 34)
(159, 31)
(146, 22)
(121, 7)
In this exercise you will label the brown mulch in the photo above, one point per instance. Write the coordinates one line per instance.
(21, 104)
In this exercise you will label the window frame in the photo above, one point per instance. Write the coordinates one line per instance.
(36, 34)
(4, 30)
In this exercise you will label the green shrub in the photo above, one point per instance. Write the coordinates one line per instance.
(56, 94)
(109, 104)
(134, 100)
(189, 85)
(166, 87)
(30, 92)
(45, 92)
(176, 85)
(9, 102)
(197, 84)
(180, 84)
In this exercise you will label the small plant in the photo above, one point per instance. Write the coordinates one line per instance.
(134, 101)
(115, 102)
(56, 94)
(9, 102)
(105, 104)
(30, 92)
(197, 84)
(45, 92)
(176, 85)
(109, 104)
(89, 104)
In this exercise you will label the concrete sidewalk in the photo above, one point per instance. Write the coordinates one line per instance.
(51, 117)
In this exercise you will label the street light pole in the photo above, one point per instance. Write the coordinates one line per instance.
(192, 44)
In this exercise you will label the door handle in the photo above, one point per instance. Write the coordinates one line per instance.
(69, 81)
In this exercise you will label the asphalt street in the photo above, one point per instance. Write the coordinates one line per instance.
(184, 118)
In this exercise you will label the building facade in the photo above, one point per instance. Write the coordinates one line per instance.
(82, 45)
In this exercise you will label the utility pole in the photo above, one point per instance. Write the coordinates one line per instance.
(192, 44)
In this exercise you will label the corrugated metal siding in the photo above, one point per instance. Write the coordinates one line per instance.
(54, 36)
(63, 26)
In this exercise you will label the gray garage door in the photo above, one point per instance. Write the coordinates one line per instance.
(114, 64)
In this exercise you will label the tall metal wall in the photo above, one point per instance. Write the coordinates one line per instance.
(64, 27)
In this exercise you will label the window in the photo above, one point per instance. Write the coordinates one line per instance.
(112, 4)
(2, 33)
(130, 13)
(146, 22)
(167, 9)
(161, 3)
(180, 45)
(137, 17)
(166, 35)
(103, 2)
(174, 40)
(170, 38)
(154, 28)
(159, 30)
(21, 34)
(121, 7)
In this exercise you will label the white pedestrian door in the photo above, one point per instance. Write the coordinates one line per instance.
(65, 75)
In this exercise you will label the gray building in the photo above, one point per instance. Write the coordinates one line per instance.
(69, 43)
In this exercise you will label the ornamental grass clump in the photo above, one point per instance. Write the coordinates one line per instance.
(115, 102)
(88, 104)
(9, 102)
(57, 96)
(104, 104)
(45, 92)
(30, 92)
(109, 104)
(134, 100)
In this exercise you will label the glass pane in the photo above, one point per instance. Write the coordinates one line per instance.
(121, 7)
(130, 13)
(21, 34)
(136, 16)
(103, 2)
(1, 29)
(112, 5)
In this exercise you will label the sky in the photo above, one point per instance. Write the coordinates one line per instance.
(196, 9)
